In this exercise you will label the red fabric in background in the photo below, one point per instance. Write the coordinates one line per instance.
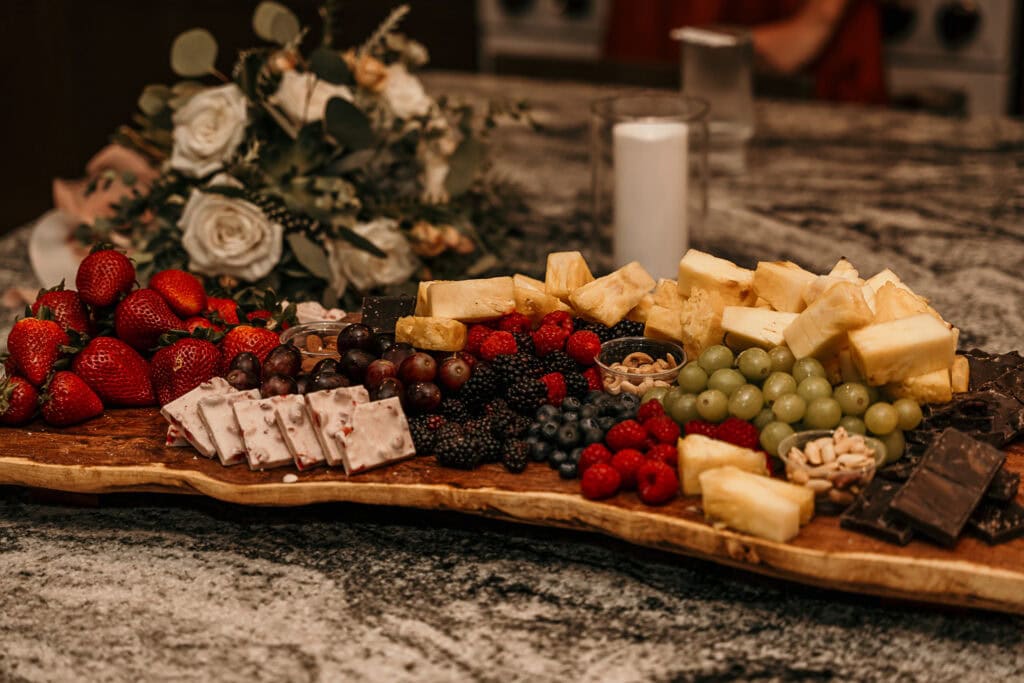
(849, 68)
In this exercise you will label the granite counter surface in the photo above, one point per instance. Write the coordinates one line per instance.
(157, 588)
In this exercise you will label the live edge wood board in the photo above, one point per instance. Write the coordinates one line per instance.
(123, 452)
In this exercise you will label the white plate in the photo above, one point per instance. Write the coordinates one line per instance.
(51, 251)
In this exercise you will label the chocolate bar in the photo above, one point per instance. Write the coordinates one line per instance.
(870, 514)
(1004, 486)
(382, 312)
(948, 485)
(997, 522)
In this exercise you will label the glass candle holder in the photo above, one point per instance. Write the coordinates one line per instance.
(649, 176)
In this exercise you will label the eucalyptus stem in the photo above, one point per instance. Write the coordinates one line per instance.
(330, 10)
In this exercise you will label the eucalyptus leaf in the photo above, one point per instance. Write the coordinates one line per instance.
(463, 166)
(347, 124)
(194, 53)
(353, 161)
(274, 22)
(153, 99)
(312, 257)
(329, 66)
(358, 241)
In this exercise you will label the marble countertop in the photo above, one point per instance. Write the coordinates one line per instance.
(153, 587)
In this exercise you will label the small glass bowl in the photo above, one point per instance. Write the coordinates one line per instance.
(838, 488)
(315, 341)
(638, 383)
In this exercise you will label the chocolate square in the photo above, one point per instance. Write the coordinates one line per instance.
(997, 522)
(381, 313)
(959, 458)
(870, 514)
(1004, 486)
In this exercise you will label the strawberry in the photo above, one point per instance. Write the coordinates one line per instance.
(498, 344)
(65, 307)
(560, 319)
(257, 340)
(600, 481)
(226, 309)
(142, 317)
(195, 322)
(103, 275)
(649, 410)
(69, 400)
(116, 372)
(708, 429)
(549, 338)
(591, 455)
(476, 337)
(627, 462)
(555, 383)
(738, 432)
(181, 367)
(664, 429)
(34, 345)
(626, 434)
(182, 291)
(583, 347)
(261, 315)
(593, 377)
(514, 322)
(18, 401)
(656, 482)
(665, 453)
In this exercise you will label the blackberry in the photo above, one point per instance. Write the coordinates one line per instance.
(454, 448)
(603, 332)
(576, 385)
(627, 328)
(423, 435)
(487, 445)
(524, 342)
(510, 425)
(516, 368)
(515, 456)
(560, 361)
(526, 395)
(482, 386)
(497, 407)
(454, 410)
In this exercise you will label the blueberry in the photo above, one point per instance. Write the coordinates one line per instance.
(571, 403)
(570, 418)
(540, 451)
(592, 436)
(568, 436)
(556, 459)
(593, 396)
(606, 422)
(589, 411)
(534, 430)
(629, 401)
(549, 429)
(574, 455)
(567, 470)
(589, 423)
(546, 412)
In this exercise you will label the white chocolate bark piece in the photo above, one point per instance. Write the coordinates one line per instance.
(183, 413)
(379, 436)
(174, 438)
(331, 413)
(217, 414)
(298, 432)
(265, 448)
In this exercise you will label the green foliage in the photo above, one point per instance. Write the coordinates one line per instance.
(348, 125)
(275, 23)
(194, 53)
(328, 65)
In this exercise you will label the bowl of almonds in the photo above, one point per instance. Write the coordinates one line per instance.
(835, 464)
(634, 365)
(315, 341)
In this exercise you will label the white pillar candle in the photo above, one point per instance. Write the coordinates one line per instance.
(650, 160)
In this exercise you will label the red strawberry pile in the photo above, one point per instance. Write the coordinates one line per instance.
(112, 344)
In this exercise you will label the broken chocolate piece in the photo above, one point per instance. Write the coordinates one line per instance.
(381, 313)
(946, 488)
(997, 523)
(870, 514)
(987, 367)
(1004, 486)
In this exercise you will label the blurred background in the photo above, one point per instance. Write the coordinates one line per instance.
(73, 70)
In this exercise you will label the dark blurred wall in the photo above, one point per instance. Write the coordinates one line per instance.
(71, 70)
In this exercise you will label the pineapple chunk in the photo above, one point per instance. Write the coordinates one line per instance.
(567, 270)
(527, 282)
(608, 299)
(960, 375)
(895, 350)
(819, 329)
(801, 495)
(749, 506)
(879, 280)
(755, 326)
(471, 300)
(848, 371)
(700, 269)
(698, 453)
(536, 303)
(781, 284)
(666, 293)
(893, 302)
(931, 387)
(762, 303)
(701, 317)
(640, 312)
(432, 334)
(422, 307)
(664, 323)
(844, 269)
(821, 284)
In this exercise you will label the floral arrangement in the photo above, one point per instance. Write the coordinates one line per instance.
(323, 174)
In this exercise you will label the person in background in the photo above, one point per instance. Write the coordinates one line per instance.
(838, 42)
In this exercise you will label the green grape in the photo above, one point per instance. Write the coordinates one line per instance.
(773, 434)
(909, 412)
(763, 418)
(782, 359)
(881, 418)
(823, 413)
(853, 398)
(789, 408)
(681, 407)
(693, 378)
(755, 364)
(715, 358)
(726, 380)
(807, 367)
(712, 405)
(814, 387)
(853, 424)
(894, 445)
(777, 384)
(746, 402)
(873, 395)
(654, 394)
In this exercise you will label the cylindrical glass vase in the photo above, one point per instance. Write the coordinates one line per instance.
(650, 173)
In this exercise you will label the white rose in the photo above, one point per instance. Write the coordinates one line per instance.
(208, 130)
(227, 236)
(303, 97)
(404, 93)
(352, 265)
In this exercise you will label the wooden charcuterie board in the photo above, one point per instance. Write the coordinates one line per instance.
(123, 452)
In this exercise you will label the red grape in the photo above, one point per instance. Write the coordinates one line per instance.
(419, 367)
(423, 396)
(453, 373)
(378, 371)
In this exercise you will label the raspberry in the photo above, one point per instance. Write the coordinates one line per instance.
(649, 410)
(664, 453)
(583, 346)
(701, 427)
(600, 481)
(656, 483)
(738, 432)
(549, 338)
(628, 463)
(555, 383)
(476, 337)
(593, 377)
(663, 428)
(559, 319)
(514, 322)
(627, 434)
(498, 344)
(591, 455)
